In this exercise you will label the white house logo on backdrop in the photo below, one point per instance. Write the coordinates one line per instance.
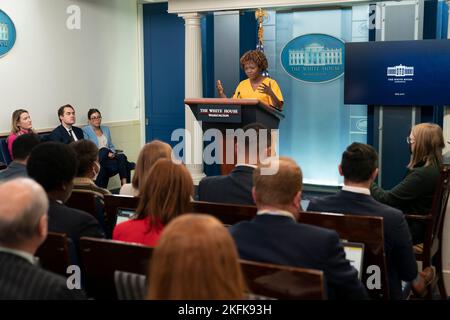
(400, 73)
(314, 58)
(7, 33)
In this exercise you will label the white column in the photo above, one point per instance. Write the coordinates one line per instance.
(193, 89)
(446, 121)
(446, 231)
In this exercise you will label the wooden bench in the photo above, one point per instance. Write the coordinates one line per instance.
(282, 282)
(100, 258)
(364, 229)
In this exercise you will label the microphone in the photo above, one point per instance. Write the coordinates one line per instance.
(238, 95)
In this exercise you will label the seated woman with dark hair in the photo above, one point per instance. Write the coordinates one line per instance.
(166, 193)
(88, 168)
(110, 160)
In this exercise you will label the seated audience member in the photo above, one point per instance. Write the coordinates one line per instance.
(150, 153)
(166, 194)
(274, 236)
(21, 151)
(53, 165)
(23, 228)
(66, 132)
(236, 187)
(111, 162)
(414, 194)
(20, 124)
(88, 168)
(196, 259)
(359, 168)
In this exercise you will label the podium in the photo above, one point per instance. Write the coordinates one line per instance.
(222, 114)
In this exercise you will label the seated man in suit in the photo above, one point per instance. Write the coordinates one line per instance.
(359, 168)
(274, 236)
(21, 150)
(236, 187)
(53, 165)
(66, 132)
(23, 228)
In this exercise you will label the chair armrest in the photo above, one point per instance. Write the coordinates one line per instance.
(418, 217)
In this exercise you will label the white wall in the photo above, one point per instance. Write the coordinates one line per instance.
(50, 65)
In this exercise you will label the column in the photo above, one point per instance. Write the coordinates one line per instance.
(193, 89)
(447, 108)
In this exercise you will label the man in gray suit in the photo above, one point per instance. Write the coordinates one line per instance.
(23, 228)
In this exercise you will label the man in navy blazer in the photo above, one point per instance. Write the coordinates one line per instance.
(66, 132)
(359, 169)
(274, 236)
(236, 187)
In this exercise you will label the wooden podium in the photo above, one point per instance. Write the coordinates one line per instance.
(222, 114)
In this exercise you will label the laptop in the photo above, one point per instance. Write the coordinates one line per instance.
(354, 252)
(124, 215)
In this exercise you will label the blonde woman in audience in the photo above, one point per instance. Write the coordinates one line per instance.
(150, 153)
(196, 259)
(20, 124)
(414, 194)
(165, 194)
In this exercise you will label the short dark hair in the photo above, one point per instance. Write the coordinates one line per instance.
(51, 164)
(87, 153)
(92, 111)
(23, 145)
(358, 162)
(61, 109)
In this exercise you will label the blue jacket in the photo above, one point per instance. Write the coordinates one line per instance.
(90, 134)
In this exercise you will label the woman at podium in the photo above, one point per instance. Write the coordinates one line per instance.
(257, 86)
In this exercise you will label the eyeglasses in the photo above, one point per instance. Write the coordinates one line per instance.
(410, 140)
(96, 118)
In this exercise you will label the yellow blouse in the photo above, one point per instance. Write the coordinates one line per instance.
(245, 91)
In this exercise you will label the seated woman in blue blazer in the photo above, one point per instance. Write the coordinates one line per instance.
(111, 162)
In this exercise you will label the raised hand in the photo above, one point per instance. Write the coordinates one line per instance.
(220, 89)
(264, 88)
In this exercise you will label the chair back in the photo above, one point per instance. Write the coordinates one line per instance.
(56, 253)
(363, 229)
(101, 258)
(114, 203)
(228, 214)
(282, 282)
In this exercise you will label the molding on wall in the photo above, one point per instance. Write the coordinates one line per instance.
(109, 124)
(182, 6)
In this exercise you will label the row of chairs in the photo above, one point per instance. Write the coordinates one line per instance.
(366, 230)
(105, 262)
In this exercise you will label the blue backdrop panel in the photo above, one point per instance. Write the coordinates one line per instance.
(164, 71)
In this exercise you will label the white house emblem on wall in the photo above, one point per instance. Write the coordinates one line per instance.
(400, 71)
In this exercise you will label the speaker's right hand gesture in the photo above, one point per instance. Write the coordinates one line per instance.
(220, 89)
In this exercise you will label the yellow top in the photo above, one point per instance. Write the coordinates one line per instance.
(245, 91)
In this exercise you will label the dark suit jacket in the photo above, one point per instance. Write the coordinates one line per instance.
(281, 240)
(235, 188)
(14, 170)
(400, 259)
(21, 280)
(60, 134)
(73, 222)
